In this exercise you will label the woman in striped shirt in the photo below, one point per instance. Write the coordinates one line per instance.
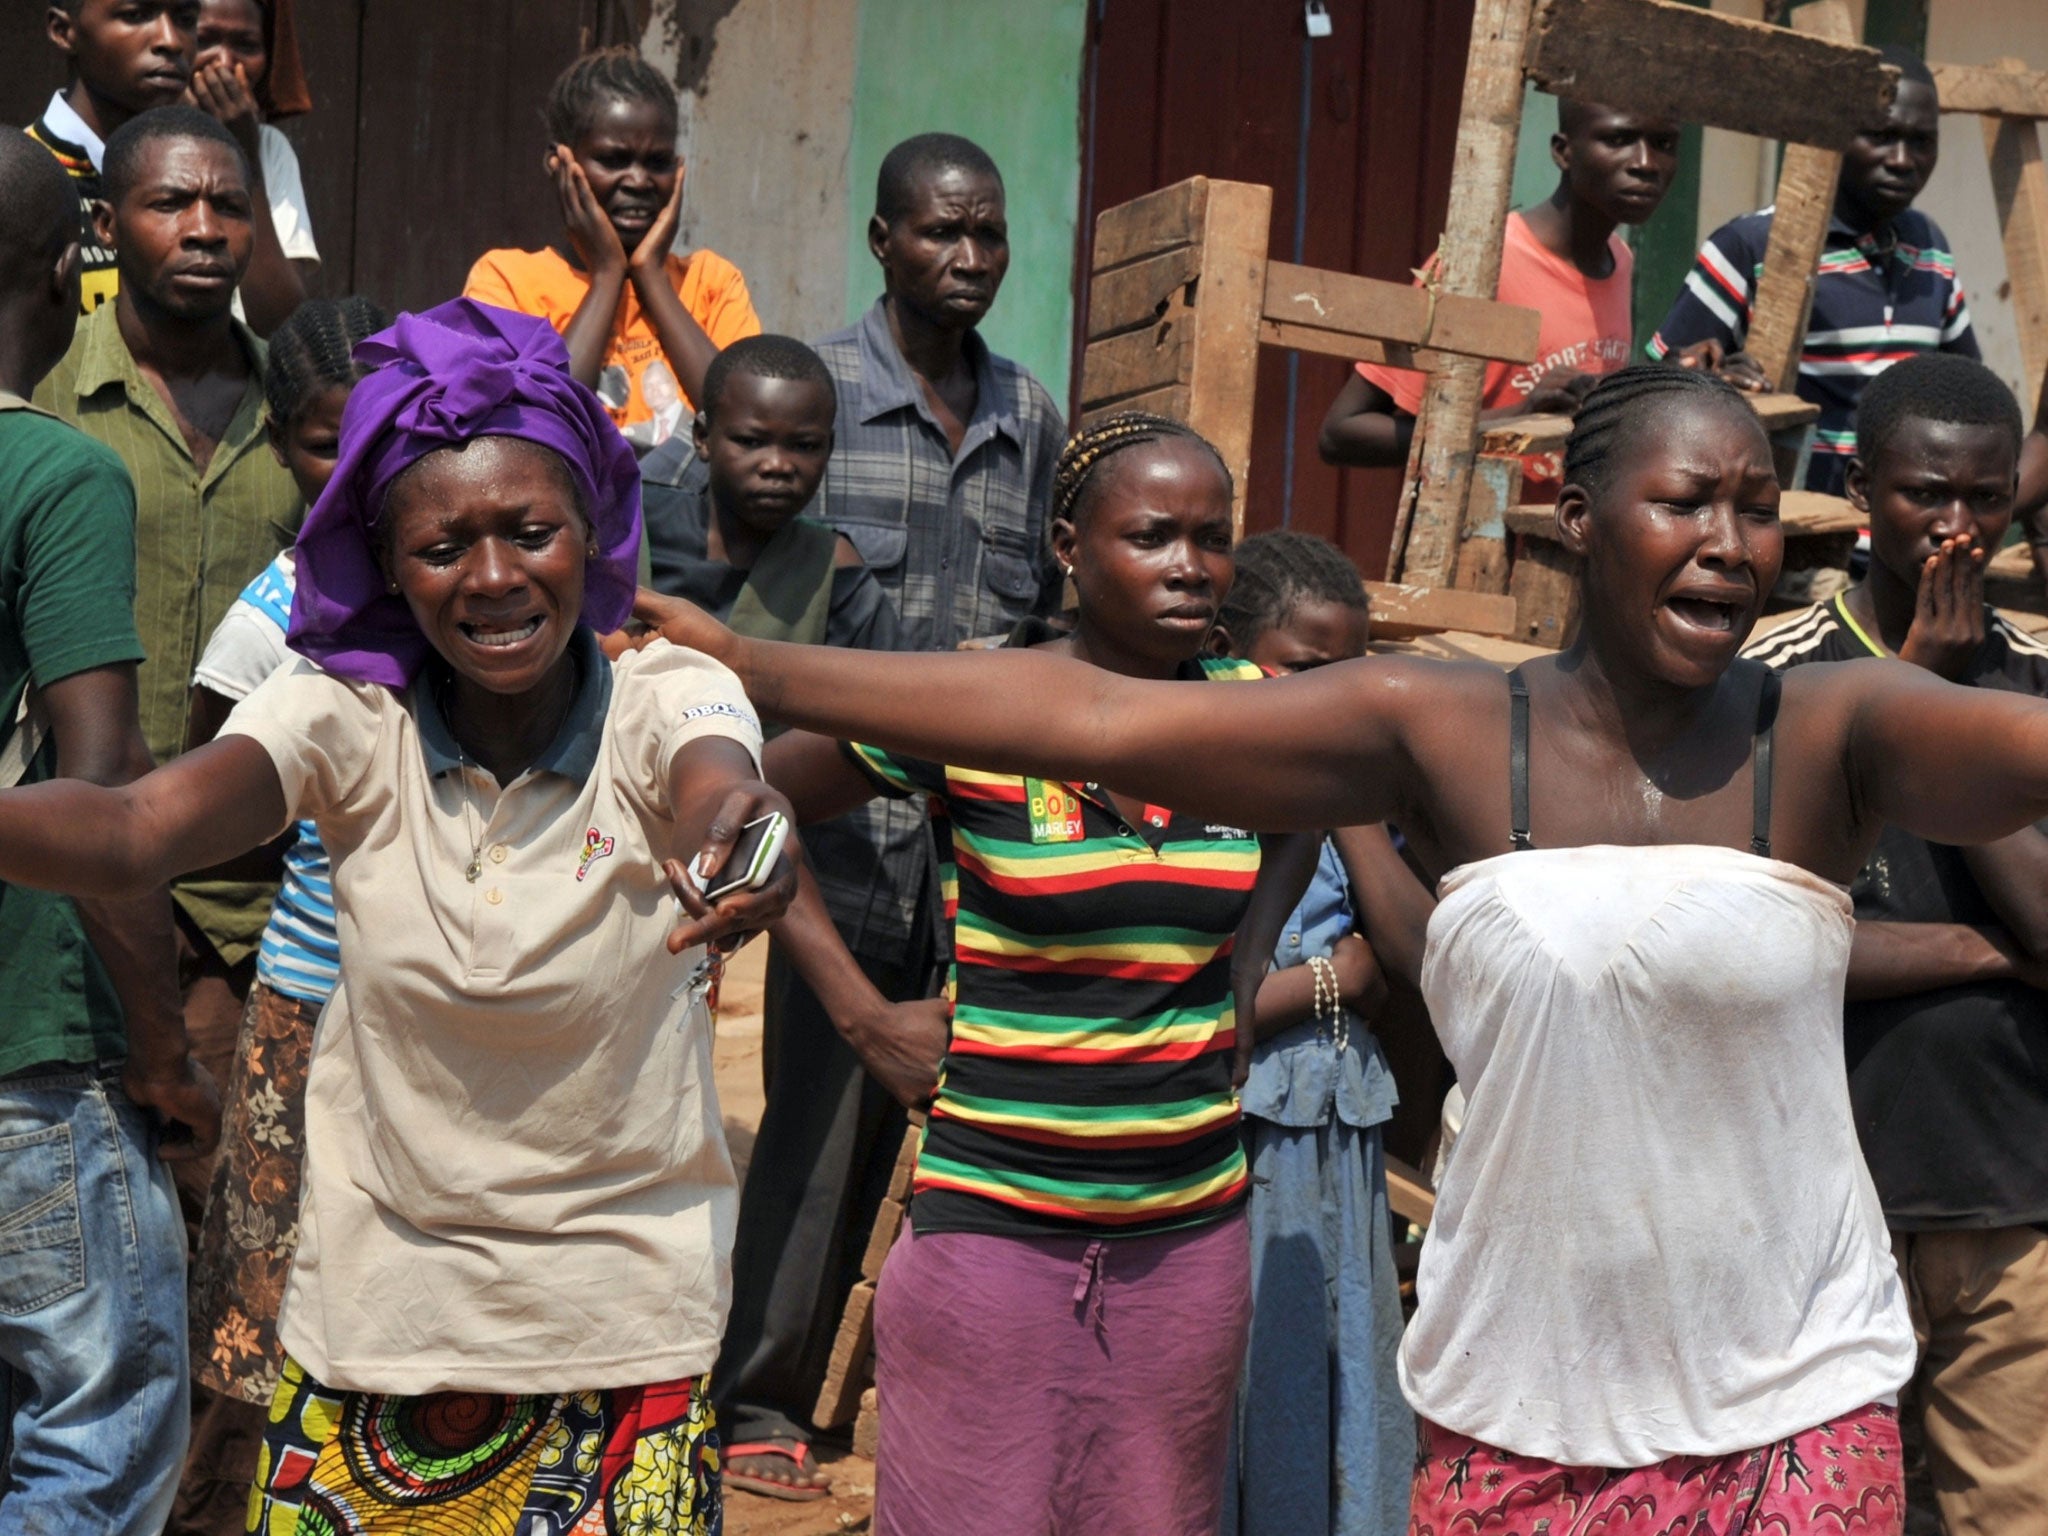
(1058, 1330)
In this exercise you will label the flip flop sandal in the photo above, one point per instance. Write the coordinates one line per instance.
(799, 1454)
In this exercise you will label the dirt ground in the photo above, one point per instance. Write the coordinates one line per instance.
(736, 1065)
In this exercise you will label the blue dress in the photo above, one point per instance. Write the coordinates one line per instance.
(1323, 1440)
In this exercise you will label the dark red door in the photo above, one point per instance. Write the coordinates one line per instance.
(1354, 134)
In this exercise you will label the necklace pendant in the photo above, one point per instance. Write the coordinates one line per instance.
(476, 869)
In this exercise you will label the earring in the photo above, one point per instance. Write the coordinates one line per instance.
(590, 550)
(1066, 569)
(391, 587)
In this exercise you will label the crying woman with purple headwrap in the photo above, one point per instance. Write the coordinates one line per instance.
(512, 1272)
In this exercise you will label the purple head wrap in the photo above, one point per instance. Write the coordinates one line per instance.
(460, 371)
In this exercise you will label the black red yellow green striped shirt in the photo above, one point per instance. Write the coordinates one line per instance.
(1087, 1087)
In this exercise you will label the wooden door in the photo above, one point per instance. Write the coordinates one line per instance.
(424, 146)
(1362, 120)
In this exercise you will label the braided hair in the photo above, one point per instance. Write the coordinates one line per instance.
(1276, 573)
(1617, 405)
(312, 351)
(602, 75)
(1088, 448)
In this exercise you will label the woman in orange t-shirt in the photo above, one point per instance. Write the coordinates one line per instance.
(641, 323)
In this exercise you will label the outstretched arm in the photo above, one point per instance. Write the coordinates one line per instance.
(90, 841)
(1326, 748)
(1947, 763)
(816, 776)
(99, 741)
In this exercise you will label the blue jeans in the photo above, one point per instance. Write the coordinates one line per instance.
(93, 1365)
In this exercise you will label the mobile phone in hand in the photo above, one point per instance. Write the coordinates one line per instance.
(753, 858)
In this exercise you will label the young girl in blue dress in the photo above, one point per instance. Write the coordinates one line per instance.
(1323, 1440)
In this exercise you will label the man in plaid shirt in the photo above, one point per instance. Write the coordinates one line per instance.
(941, 473)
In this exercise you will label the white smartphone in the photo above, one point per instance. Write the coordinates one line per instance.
(753, 857)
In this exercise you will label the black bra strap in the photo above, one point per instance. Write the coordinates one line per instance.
(1760, 767)
(1518, 762)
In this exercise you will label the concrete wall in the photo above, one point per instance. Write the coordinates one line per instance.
(766, 123)
(1008, 76)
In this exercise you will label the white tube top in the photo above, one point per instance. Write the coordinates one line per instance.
(1658, 1237)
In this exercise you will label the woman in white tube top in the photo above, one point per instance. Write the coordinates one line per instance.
(1657, 1294)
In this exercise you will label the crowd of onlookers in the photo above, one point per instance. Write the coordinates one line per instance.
(1074, 1272)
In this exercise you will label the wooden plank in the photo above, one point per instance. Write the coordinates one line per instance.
(1545, 588)
(1547, 434)
(1222, 375)
(1408, 1193)
(846, 1374)
(1483, 549)
(1362, 349)
(1142, 293)
(2019, 190)
(1400, 610)
(1171, 402)
(1147, 225)
(1683, 61)
(1999, 91)
(1804, 204)
(1137, 362)
(1431, 515)
(1306, 298)
(1802, 514)
(906, 1160)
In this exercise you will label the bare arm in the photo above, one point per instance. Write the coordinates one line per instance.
(1287, 998)
(2013, 875)
(2030, 504)
(590, 234)
(683, 341)
(1947, 763)
(901, 1045)
(715, 792)
(99, 743)
(1901, 959)
(1363, 427)
(1393, 904)
(127, 841)
(816, 776)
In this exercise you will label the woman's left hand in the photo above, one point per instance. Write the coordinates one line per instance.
(649, 259)
(734, 918)
(222, 91)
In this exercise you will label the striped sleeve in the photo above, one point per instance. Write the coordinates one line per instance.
(897, 777)
(1714, 303)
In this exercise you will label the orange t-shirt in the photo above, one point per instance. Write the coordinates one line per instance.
(636, 383)
(1586, 328)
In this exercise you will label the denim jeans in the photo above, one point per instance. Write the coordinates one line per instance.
(93, 1366)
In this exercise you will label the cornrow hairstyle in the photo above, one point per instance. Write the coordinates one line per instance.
(1087, 448)
(1617, 405)
(312, 352)
(602, 75)
(765, 357)
(127, 143)
(1276, 573)
(915, 159)
(1934, 386)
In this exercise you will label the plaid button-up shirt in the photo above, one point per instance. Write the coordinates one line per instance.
(958, 541)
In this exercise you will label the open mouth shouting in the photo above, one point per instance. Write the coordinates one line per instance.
(1718, 613)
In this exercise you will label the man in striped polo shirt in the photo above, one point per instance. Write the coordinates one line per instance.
(1886, 287)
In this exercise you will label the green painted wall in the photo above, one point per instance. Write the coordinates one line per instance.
(1008, 77)
(1535, 176)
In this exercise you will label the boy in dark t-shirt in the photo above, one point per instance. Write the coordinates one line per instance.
(725, 506)
(1946, 1025)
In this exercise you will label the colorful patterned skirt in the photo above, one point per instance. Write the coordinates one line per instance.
(631, 1461)
(1844, 1476)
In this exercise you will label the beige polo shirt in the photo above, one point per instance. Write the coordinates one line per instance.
(516, 1178)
